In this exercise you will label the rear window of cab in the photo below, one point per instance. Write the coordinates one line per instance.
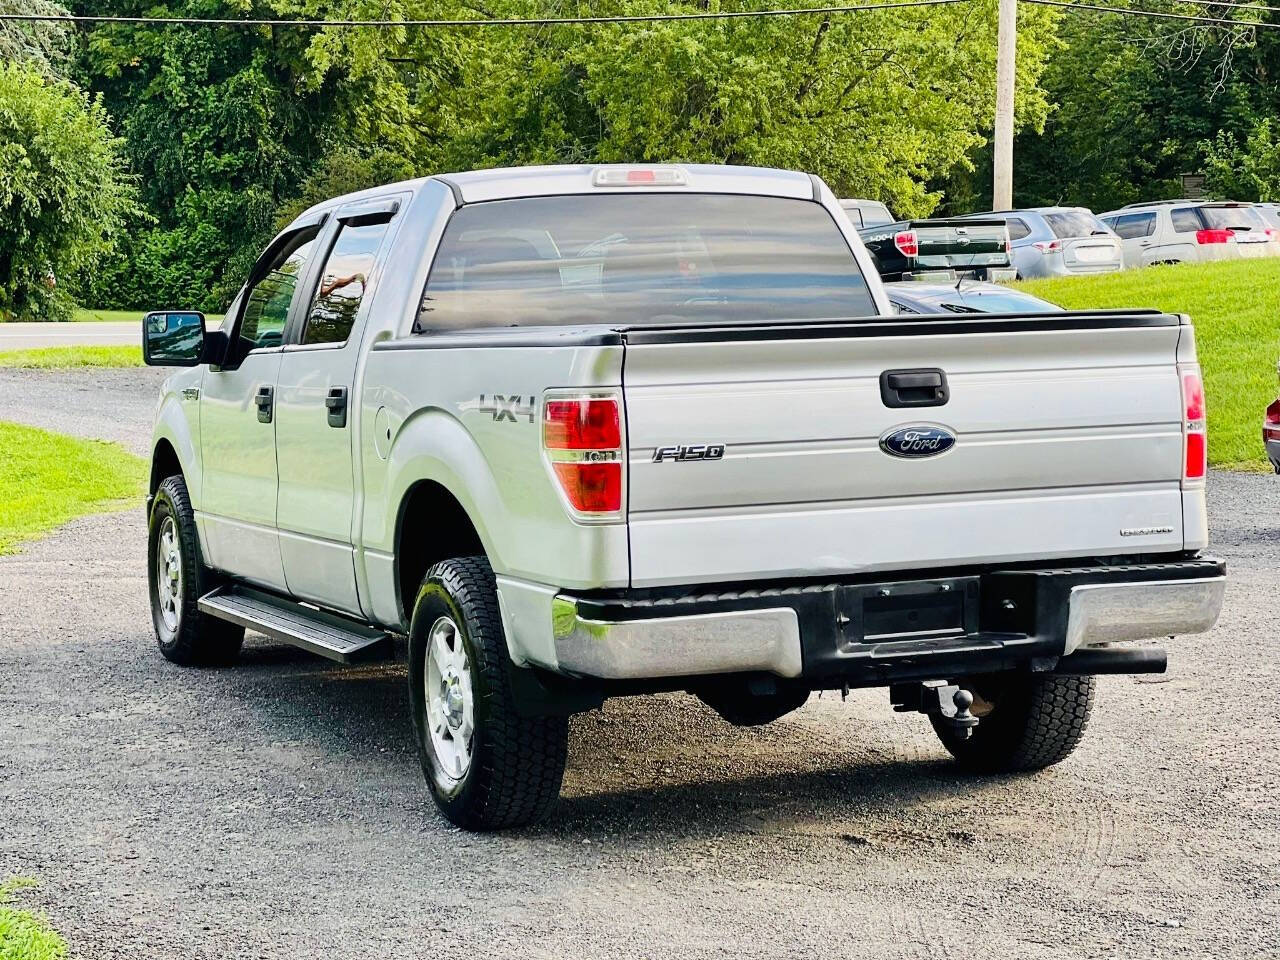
(641, 258)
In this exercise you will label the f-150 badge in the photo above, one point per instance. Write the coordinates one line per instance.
(917, 440)
(684, 453)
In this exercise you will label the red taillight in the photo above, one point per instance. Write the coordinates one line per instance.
(1204, 237)
(1273, 233)
(591, 487)
(907, 242)
(1048, 246)
(586, 423)
(582, 437)
(1195, 439)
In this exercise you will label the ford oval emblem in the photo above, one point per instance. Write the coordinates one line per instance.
(917, 440)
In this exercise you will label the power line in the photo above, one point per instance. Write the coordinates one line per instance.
(448, 24)
(1232, 6)
(1134, 12)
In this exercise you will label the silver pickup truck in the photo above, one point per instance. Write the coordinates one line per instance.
(570, 433)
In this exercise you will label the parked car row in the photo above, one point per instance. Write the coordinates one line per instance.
(1188, 231)
(1064, 241)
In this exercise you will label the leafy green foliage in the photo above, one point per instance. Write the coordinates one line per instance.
(63, 190)
(1137, 102)
(233, 131)
(1248, 170)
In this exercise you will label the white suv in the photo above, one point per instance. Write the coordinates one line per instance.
(1177, 231)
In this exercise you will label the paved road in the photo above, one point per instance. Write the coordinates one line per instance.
(20, 336)
(276, 809)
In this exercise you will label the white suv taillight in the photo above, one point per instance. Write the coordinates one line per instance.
(582, 441)
(1195, 440)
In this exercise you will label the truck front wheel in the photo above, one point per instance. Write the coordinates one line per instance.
(1026, 723)
(487, 766)
(177, 578)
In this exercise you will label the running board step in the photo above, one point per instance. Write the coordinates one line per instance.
(318, 631)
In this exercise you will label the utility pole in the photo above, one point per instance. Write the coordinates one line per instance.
(1006, 61)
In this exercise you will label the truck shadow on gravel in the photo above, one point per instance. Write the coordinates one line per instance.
(646, 766)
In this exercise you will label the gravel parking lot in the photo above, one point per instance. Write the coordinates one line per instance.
(276, 808)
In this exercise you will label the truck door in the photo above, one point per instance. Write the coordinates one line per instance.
(237, 509)
(315, 408)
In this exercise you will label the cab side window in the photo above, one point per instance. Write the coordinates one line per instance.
(344, 282)
(267, 305)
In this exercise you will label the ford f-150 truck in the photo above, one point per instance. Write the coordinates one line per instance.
(568, 433)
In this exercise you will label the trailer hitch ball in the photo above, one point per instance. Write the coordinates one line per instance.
(963, 721)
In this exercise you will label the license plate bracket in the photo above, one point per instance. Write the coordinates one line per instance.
(908, 610)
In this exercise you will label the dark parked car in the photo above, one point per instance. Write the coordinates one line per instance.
(950, 248)
(967, 296)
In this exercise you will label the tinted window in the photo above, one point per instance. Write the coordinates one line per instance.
(875, 214)
(642, 258)
(267, 308)
(1074, 223)
(1002, 301)
(854, 214)
(1271, 215)
(1186, 220)
(1133, 225)
(343, 283)
(1232, 218)
(1017, 228)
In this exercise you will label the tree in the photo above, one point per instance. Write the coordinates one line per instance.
(1136, 100)
(1248, 170)
(46, 45)
(64, 192)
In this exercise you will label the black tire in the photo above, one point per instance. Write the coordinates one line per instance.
(186, 636)
(1032, 722)
(514, 764)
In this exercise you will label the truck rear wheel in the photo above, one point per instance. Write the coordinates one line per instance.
(1026, 722)
(487, 766)
(177, 578)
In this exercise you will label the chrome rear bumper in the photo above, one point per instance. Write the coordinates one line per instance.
(767, 640)
(869, 634)
(1099, 613)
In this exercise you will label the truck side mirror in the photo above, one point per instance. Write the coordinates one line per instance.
(173, 338)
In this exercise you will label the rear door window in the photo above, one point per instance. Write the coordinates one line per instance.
(641, 259)
(1131, 226)
(1074, 223)
(343, 283)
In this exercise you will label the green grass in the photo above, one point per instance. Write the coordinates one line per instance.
(85, 315)
(25, 935)
(1235, 307)
(63, 358)
(47, 479)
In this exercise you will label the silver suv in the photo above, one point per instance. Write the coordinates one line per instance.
(1057, 241)
(1191, 231)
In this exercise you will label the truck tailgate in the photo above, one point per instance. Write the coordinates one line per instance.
(1068, 442)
